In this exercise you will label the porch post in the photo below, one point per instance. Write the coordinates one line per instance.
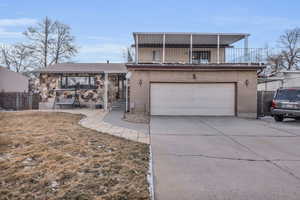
(122, 86)
(164, 47)
(191, 49)
(118, 77)
(126, 95)
(105, 91)
(137, 49)
(218, 49)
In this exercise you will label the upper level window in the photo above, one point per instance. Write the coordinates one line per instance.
(200, 57)
(155, 55)
(84, 82)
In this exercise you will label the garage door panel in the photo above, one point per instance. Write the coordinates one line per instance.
(192, 99)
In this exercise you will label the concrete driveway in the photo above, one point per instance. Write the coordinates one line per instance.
(225, 158)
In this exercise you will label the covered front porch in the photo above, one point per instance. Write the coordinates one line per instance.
(92, 85)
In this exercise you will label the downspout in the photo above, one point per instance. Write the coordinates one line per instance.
(218, 48)
(126, 94)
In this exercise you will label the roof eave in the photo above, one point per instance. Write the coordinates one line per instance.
(78, 72)
(252, 66)
(190, 33)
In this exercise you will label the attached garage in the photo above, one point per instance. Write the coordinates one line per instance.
(191, 99)
(193, 90)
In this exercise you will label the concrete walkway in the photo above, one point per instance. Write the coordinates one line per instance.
(111, 123)
(115, 117)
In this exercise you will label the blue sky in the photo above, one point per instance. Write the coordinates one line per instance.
(103, 28)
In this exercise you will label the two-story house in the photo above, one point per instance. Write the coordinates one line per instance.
(193, 74)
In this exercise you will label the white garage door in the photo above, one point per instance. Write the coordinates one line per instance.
(207, 99)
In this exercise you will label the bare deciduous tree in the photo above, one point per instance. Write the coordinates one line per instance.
(51, 42)
(275, 62)
(63, 47)
(127, 54)
(290, 54)
(40, 40)
(17, 58)
(5, 56)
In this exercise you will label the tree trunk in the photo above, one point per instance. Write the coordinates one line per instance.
(46, 42)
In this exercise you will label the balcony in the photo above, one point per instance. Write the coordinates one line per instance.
(203, 55)
(194, 48)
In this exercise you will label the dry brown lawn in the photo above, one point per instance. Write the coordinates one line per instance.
(49, 156)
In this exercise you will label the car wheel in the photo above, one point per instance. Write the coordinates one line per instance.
(278, 118)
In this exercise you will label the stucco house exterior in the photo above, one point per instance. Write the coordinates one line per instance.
(11, 81)
(193, 74)
(97, 84)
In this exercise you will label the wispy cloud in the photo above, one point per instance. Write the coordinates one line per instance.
(8, 26)
(102, 52)
(9, 34)
(17, 22)
(103, 48)
(101, 38)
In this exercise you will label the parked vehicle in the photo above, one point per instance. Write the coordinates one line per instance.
(286, 104)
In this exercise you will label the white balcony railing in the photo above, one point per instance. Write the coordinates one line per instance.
(202, 55)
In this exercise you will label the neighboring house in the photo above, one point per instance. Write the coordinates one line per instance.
(270, 83)
(193, 74)
(281, 79)
(12, 81)
(97, 83)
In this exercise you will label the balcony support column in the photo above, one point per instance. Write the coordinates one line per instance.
(191, 49)
(246, 50)
(137, 49)
(164, 48)
(218, 48)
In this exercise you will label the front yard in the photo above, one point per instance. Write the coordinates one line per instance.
(49, 156)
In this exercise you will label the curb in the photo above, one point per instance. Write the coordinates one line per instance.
(150, 175)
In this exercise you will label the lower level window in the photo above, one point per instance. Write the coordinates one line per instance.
(83, 82)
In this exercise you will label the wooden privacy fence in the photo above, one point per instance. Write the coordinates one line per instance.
(264, 103)
(19, 100)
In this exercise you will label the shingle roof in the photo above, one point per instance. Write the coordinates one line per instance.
(85, 68)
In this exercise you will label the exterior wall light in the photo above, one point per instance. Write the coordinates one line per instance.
(194, 76)
(247, 82)
(140, 82)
